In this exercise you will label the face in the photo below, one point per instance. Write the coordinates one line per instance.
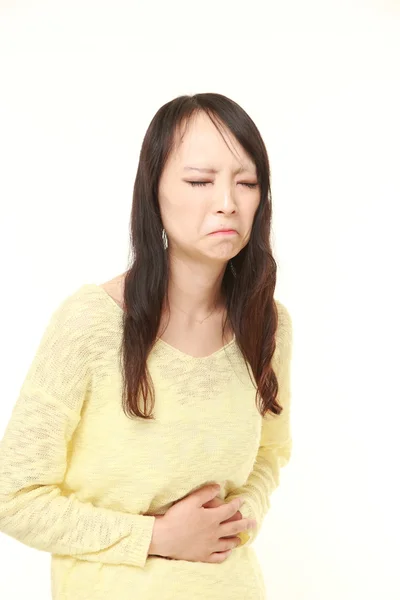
(195, 203)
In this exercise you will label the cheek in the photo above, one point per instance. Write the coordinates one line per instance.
(181, 221)
(248, 215)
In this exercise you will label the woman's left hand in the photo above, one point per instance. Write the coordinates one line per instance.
(215, 502)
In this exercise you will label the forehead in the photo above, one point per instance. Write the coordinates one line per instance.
(199, 143)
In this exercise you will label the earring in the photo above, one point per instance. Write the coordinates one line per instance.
(165, 238)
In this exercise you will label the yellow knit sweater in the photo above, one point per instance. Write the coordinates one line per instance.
(82, 481)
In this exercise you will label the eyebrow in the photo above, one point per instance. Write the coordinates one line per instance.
(211, 170)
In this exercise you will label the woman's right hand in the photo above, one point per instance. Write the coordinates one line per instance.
(188, 531)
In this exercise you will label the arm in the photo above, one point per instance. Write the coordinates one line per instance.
(34, 508)
(276, 442)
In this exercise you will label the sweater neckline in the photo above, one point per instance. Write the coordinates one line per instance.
(117, 308)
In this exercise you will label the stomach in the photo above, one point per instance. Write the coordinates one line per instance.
(238, 577)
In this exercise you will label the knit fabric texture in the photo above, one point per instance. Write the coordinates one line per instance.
(82, 481)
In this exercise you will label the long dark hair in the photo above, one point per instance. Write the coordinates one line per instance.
(249, 280)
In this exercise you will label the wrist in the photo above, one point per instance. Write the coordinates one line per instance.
(155, 548)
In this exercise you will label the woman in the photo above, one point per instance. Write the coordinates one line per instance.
(150, 390)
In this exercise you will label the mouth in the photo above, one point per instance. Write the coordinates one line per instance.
(225, 232)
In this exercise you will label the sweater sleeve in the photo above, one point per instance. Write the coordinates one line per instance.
(276, 440)
(34, 507)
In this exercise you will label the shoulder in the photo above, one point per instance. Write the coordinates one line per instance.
(114, 288)
(81, 313)
(65, 341)
(76, 308)
(285, 323)
(284, 334)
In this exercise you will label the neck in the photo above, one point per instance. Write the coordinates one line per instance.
(195, 288)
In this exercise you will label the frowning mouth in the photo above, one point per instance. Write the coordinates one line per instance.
(225, 232)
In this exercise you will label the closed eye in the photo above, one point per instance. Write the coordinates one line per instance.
(200, 183)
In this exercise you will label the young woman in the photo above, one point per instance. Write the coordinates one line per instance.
(157, 400)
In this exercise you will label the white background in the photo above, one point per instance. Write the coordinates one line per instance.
(80, 82)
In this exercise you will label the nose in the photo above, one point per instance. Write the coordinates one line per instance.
(226, 203)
